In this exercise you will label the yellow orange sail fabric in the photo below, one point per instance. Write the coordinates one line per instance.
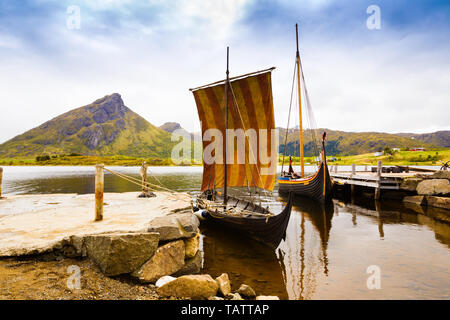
(250, 106)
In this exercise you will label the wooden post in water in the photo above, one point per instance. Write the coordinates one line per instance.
(365, 168)
(1, 177)
(336, 169)
(144, 178)
(378, 189)
(99, 186)
(352, 186)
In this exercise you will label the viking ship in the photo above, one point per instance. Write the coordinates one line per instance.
(319, 185)
(240, 107)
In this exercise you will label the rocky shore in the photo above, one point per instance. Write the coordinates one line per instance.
(429, 191)
(152, 254)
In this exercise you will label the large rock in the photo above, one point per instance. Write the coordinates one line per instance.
(441, 175)
(410, 184)
(224, 284)
(192, 245)
(439, 202)
(118, 253)
(190, 286)
(191, 266)
(175, 226)
(434, 187)
(246, 291)
(419, 200)
(167, 260)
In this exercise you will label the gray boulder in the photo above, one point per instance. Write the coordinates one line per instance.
(191, 266)
(224, 284)
(118, 253)
(167, 260)
(175, 226)
(434, 187)
(246, 291)
(191, 286)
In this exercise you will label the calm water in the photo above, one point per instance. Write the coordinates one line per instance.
(327, 250)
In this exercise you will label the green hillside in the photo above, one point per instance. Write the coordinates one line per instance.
(105, 127)
(348, 143)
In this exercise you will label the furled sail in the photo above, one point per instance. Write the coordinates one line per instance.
(250, 124)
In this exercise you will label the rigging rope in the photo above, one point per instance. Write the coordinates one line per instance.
(133, 180)
(310, 115)
(289, 118)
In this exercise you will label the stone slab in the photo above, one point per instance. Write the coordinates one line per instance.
(33, 224)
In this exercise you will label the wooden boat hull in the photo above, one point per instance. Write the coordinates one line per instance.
(318, 187)
(269, 229)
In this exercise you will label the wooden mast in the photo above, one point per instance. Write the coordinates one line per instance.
(226, 127)
(299, 105)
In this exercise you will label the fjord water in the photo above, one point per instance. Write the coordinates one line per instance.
(327, 251)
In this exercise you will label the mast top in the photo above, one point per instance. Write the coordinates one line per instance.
(296, 36)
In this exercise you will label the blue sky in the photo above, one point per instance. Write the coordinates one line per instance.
(395, 79)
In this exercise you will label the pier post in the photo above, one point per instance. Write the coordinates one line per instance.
(378, 189)
(336, 169)
(353, 169)
(99, 186)
(144, 178)
(365, 168)
(1, 177)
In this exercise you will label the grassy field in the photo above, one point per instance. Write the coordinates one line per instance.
(421, 158)
(424, 158)
(67, 160)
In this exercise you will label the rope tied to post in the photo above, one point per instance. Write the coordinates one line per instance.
(137, 181)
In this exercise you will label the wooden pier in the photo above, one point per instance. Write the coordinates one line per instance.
(375, 179)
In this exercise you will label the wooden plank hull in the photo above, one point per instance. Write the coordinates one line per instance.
(318, 187)
(269, 229)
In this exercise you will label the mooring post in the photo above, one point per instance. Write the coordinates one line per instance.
(144, 178)
(1, 178)
(336, 168)
(353, 169)
(99, 186)
(365, 168)
(378, 189)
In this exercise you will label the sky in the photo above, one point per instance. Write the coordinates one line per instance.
(386, 72)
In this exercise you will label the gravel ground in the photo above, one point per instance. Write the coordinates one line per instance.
(44, 278)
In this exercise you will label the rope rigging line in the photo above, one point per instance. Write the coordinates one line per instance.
(310, 115)
(139, 183)
(289, 119)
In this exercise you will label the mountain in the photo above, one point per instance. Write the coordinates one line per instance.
(352, 143)
(104, 127)
(439, 138)
(171, 126)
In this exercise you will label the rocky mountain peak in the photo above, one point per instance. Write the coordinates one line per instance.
(170, 126)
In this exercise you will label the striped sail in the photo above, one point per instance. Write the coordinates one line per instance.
(250, 106)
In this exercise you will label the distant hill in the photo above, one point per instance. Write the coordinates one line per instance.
(439, 138)
(170, 126)
(104, 127)
(352, 143)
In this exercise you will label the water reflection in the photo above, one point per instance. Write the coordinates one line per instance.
(243, 259)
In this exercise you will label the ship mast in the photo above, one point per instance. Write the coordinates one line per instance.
(226, 127)
(299, 105)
